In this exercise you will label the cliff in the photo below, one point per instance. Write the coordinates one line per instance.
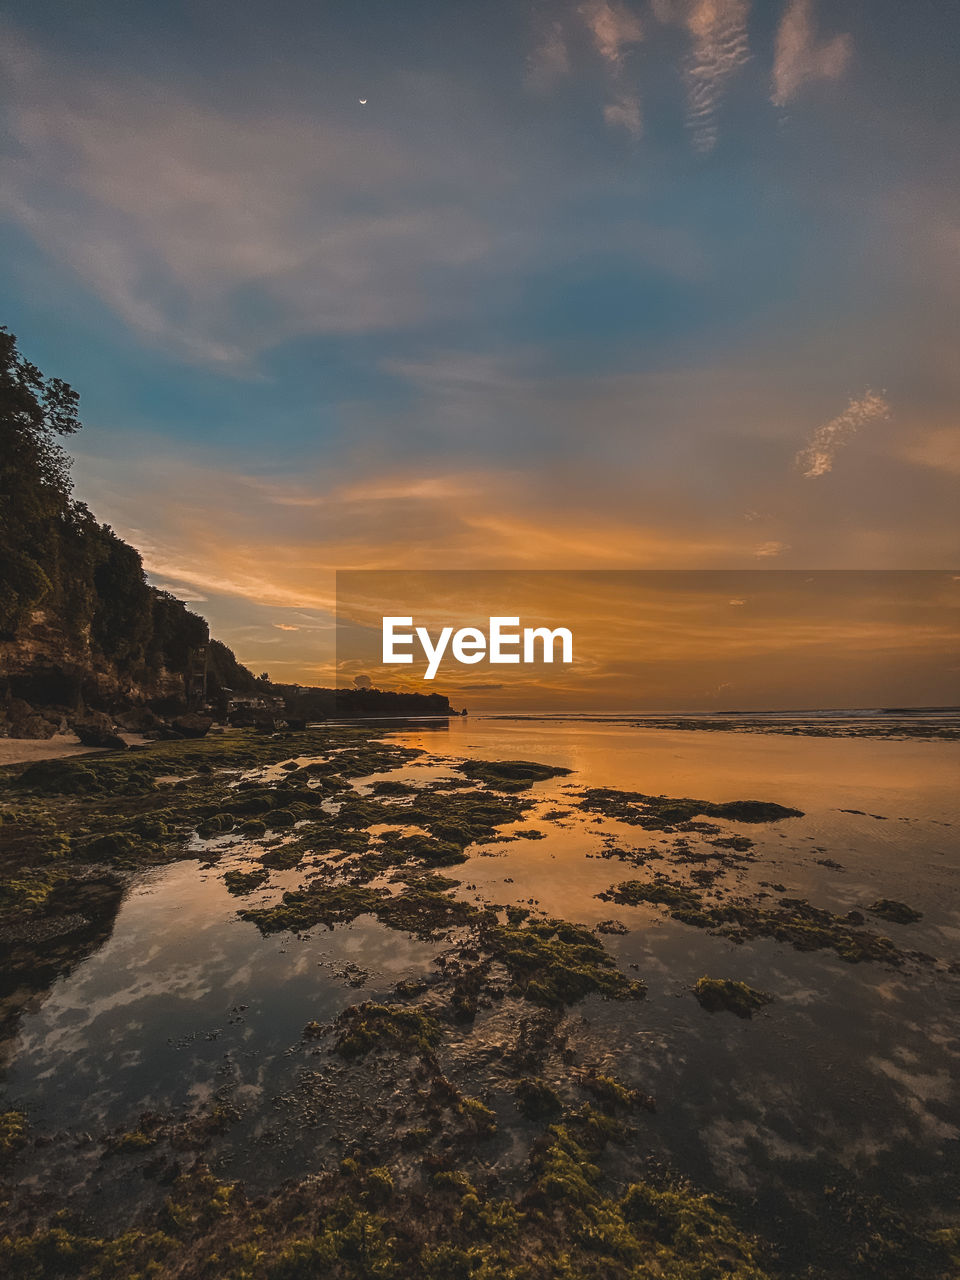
(80, 627)
(82, 632)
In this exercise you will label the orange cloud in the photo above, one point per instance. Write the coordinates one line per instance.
(800, 58)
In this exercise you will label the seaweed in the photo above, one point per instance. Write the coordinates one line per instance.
(896, 912)
(795, 921)
(554, 962)
(465, 817)
(13, 1133)
(612, 1095)
(661, 813)
(318, 903)
(536, 1099)
(240, 882)
(715, 994)
(363, 1028)
(509, 775)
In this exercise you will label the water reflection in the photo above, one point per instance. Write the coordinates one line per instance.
(853, 1068)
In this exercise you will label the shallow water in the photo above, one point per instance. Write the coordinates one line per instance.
(853, 1069)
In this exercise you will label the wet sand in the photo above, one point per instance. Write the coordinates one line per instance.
(59, 747)
(26, 750)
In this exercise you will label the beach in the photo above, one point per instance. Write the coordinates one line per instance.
(496, 953)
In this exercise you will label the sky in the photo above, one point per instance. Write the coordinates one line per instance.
(656, 640)
(599, 285)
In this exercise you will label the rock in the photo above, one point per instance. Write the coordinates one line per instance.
(19, 720)
(33, 727)
(192, 725)
(97, 730)
(138, 720)
(897, 912)
(16, 709)
(715, 994)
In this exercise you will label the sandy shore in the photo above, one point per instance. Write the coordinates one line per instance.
(25, 750)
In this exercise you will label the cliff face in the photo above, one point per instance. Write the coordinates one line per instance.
(48, 666)
(52, 677)
(80, 628)
(82, 633)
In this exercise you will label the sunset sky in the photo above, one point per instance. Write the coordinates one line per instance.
(664, 640)
(661, 284)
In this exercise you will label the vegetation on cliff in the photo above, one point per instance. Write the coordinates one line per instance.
(79, 623)
(56, 557)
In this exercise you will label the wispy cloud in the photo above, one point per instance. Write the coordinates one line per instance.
(614, 29)
(214, 233)
(767, 551)
(817, 458)
(613, 26)
(720, 46)
(800, 57)
(625, 113)
(550, 60)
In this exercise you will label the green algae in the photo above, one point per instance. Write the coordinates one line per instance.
(612, 1094)
(536, 1099)
(420, 908)
(715, 994)
(554, 962)
(240, 882)
(659, 813)
(390, 787)
(28, 892)
(645, 1231)
(879, 1243)
(465, 817)
(319, 903)
(217, 824)
(895, 912)
(142, 1138)
(509, 775)
(794, 921)
(410, 988)
(13, 1132)
(280, 818)
(425, 849)
(378, 1185)
(480, 1121)
(569, 1219)
(283, 857)
(424, 911)
(365, 1027)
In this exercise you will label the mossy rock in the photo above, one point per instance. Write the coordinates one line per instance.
(716, 994)
(536, 1099)
(554, 962)
(280, 818)
(14, 1131)
(658, 813)
(363, 1028)
(509, 775)
(240, 882)
(896, 912)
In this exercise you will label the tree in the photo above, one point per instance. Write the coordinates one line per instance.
(34, 481)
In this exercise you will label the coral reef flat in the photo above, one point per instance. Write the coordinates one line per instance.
(455, 1001)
